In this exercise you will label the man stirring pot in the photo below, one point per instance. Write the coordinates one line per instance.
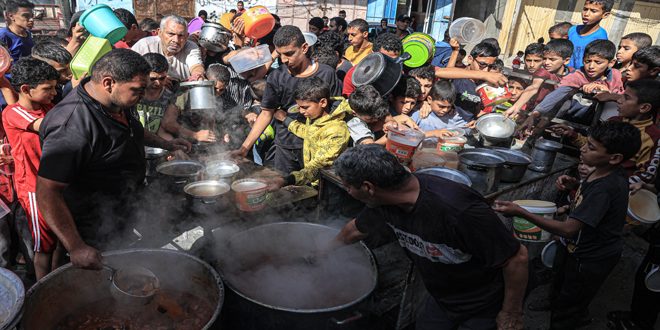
(93, 160)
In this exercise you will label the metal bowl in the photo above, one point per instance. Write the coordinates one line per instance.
(151, 153)
(207, 190)
(222, 170)
(495, 125)
(180, 168)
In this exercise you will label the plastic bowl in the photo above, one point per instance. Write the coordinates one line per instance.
(249, 58)
(466, 30)
(258, 22)
(91, 51)
(195, 25)
(100, 21)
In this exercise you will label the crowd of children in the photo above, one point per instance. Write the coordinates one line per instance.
(301, 111)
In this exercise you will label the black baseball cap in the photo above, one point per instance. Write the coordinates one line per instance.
(403, 17)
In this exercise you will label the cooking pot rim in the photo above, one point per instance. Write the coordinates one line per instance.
(198, 83)
(485, 152)
(178, 162)
(191, 185)
(521, 158)
(216, 276)
(355, 301)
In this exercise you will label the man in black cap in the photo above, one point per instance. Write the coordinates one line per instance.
(402, 23)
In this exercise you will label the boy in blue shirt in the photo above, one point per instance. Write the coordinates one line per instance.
(443, 114)
(17, 36)
(593, 12)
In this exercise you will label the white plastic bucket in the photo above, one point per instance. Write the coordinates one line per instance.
(643, 208)
(527, 231)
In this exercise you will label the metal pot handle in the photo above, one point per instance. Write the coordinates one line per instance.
(404, 57)
(356, 316)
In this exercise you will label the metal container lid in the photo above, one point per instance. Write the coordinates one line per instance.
(447, 173)
(481, 157)
(369, 70)
(514, 157)
(548, 145)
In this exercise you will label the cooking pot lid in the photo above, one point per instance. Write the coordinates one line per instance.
(548, 145)
(369, 69)
(514, 157)
(180, 168)
(485, 158)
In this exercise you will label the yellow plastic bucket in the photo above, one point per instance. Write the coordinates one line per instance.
(421, 48)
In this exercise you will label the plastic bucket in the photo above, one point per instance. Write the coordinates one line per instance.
(454, 143)
(100, 21)
(491, 96)
(403, 143)
(466, 30)
(250, 194)
(225, 20)
(527, 231)
(91, 51)
(421, 48)
(643, 208)
(258, 22)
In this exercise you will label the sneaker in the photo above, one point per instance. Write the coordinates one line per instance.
(539, 305)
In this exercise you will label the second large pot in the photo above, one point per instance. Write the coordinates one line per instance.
(276, 286)
(484, 167)
(515, 166)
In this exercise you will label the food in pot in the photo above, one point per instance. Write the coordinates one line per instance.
(171, 310)
(137, 285)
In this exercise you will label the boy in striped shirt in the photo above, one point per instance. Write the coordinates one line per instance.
(35, 82)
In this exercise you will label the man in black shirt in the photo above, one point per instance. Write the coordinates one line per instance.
(474, 270)
(591, 236)
(92, 159)
(280, 85)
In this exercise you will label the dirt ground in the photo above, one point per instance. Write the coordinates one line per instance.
(615, 294)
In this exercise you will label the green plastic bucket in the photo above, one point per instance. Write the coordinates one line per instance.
(421, 48)
(91, 51)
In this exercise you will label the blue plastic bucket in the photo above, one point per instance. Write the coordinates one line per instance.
(100, 21)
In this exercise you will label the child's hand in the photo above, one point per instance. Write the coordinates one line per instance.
(562, 130)
(405, 120)
(280, 115)
(594, 87)
(495, 79)
(205, 136)
(251, 118)
(563, 210)
(566, 182)
(454, 44)
(425, 110)
(508, 208)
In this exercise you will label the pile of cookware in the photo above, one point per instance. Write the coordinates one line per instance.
(495, 161)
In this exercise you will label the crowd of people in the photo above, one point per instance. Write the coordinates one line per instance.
(75, 147)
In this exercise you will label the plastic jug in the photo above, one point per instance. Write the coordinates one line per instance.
(466, 30)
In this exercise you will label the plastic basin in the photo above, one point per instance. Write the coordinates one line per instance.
(467, 30)
(421, 48)
(91, 51)
(258, 22)
(250, 58)
(100, 21)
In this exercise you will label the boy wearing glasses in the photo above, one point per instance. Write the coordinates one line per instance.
(481, 58)
(16, 35)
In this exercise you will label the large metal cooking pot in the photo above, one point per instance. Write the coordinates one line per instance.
(185, 281)
(214, 37)
(380, 71)
(543, 155)
(495, 130)
(201, 94)
(484, 167)
(447, 173)
(178, 173)
(515, 166)
(277, 287)
(12, 295)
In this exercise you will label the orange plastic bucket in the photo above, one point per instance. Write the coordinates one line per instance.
(258, 22)
(250, 194)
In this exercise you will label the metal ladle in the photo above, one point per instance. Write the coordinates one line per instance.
(123, 278)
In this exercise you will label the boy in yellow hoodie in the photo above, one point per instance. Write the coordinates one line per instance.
(325, 132)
